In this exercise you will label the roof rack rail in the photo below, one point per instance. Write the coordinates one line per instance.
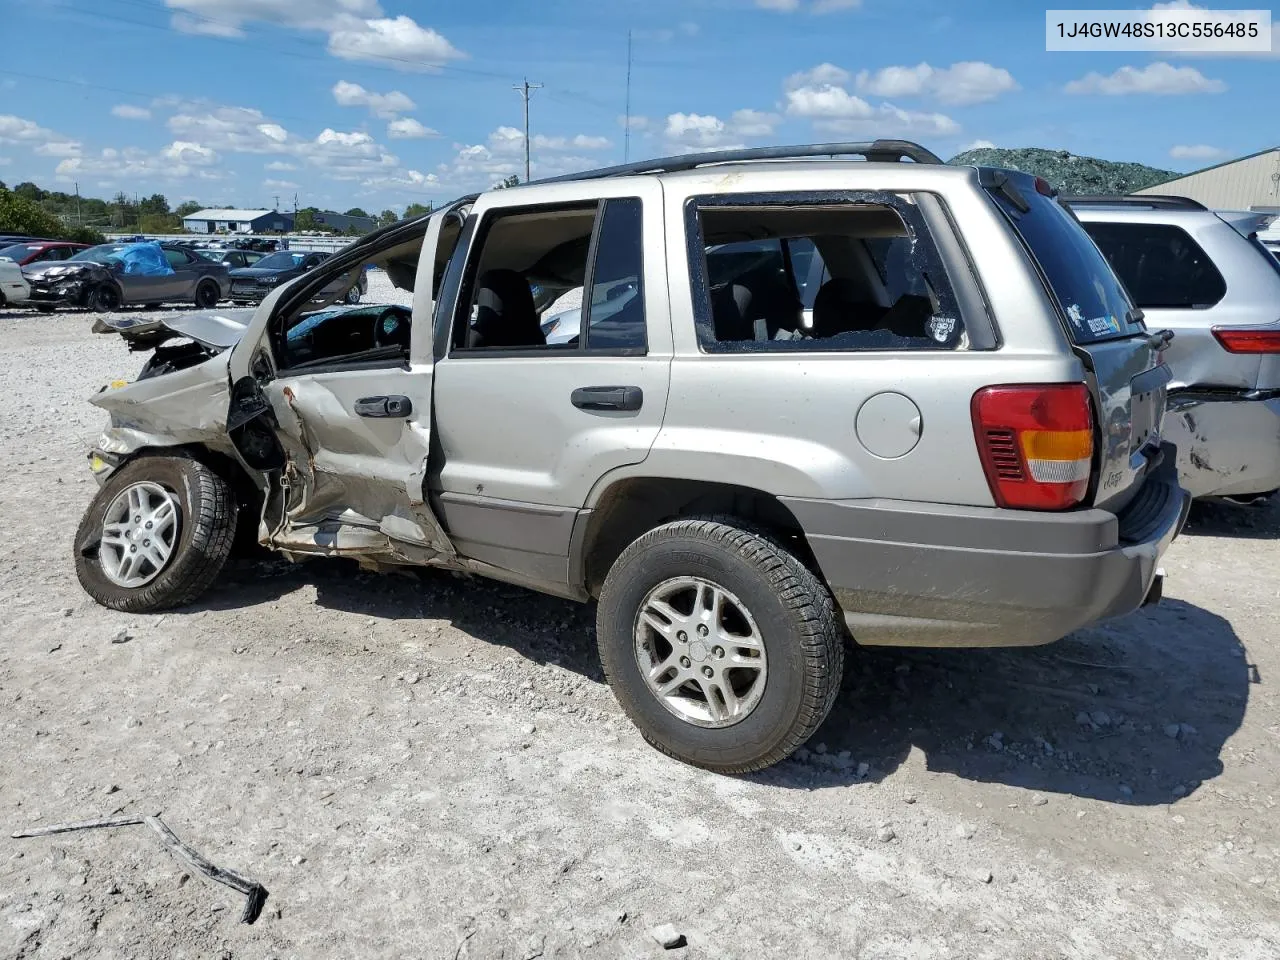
(879, 151)
(1154, 201)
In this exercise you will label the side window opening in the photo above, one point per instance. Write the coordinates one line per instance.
(362, 315)
(850, 273)
(525, 288)
(1160, 265)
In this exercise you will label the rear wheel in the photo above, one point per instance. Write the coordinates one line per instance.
(720, 645)
(156, 535)
(208, 295)
(353, 295)
(105, 298)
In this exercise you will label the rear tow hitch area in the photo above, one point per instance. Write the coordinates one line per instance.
(1156, 593)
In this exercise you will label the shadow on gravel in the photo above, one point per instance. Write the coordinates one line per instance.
(1259, 521)
(538, 627)
(1136, 711)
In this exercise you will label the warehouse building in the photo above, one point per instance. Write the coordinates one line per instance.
(341, 222)
(238, 221)
(1250, 183)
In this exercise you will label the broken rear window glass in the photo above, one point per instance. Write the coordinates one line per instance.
(783, 272)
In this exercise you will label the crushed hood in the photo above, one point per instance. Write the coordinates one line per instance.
(215, 329)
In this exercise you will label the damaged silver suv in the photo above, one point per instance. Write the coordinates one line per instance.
(807, 399)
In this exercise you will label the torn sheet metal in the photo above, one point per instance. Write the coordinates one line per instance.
(255, 893)
(1226, 447)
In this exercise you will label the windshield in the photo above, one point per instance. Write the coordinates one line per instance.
(100, 252)
(281, 261)
(1092, 297)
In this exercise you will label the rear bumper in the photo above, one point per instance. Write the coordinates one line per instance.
(939, 575)
(1228, 445)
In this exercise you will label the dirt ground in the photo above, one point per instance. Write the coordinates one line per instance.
(432, 767)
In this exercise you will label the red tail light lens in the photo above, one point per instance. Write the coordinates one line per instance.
(1036, 444)
(1248, 339)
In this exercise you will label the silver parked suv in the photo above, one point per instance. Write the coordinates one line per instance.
(1205, 276)
(954, 441)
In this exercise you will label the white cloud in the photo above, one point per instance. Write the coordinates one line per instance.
(970, 81)
(1158, 79)
(822, 75)
(181, 151)
(178, 161)
(633, 122)
(234, 129)
(402, 180)
(228, 17)
(977, 145)
(127, 111)
(407, 128)
(346, 156)
(809, 6)
(28, 133)
(280, 184)
(280, 166)
(1199, 151)
(706, 132)
(579, 142)
(5, 161)
(833, 109)
(402, 40)
(384, 105)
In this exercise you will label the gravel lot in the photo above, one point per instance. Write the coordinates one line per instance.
(431, 766)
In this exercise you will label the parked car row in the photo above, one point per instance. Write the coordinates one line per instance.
(104, 278)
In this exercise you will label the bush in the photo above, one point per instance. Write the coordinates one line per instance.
(19, 215)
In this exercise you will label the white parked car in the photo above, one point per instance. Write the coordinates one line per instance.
(13, 285)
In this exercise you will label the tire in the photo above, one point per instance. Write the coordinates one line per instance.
(105, 298)
(207, 295)
(205, 531)
(795, 621)
(353, 295)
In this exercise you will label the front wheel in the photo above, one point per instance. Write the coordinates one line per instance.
(105, 298)
(353, 295)
(721, 646)
(156, 535)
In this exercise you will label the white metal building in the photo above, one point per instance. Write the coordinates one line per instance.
(1250, 183)
(237, 221)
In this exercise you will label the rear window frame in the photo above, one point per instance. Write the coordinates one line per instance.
(920, 214)
(1009, 212)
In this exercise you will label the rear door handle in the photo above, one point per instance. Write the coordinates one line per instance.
(384, 407)
(607, 398)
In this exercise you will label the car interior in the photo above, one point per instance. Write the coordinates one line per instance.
(322, 332)
(821, 277)
(527, 262)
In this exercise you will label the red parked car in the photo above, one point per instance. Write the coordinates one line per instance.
(41, 251)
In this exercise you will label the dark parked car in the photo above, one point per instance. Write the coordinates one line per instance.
(232, 259)
(252, 284)
(41, 251)
(112, 275)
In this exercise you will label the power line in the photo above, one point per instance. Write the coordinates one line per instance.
(525, 89)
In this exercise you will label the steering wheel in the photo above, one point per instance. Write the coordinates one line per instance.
(381, 333)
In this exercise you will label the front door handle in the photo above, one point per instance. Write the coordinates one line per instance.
(384, 407)
(607, 398)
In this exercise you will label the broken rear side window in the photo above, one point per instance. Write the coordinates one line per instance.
(848, 272)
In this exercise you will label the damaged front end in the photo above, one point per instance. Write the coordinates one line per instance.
(179, 398)
(67, 284)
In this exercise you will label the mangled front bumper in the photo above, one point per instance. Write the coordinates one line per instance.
(186, 408)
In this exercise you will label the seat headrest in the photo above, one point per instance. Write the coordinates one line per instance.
(505, 313)
(841, 306)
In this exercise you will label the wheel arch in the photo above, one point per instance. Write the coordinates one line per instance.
(243, 484)
(632, 506)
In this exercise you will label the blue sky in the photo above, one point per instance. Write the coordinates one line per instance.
(376, 103)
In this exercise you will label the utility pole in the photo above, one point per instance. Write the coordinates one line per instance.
(276, 208)
(79, 219)
(524, 89)
(626, 116)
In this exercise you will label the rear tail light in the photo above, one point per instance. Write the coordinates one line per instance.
(1036, 444)
(1248, 339)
